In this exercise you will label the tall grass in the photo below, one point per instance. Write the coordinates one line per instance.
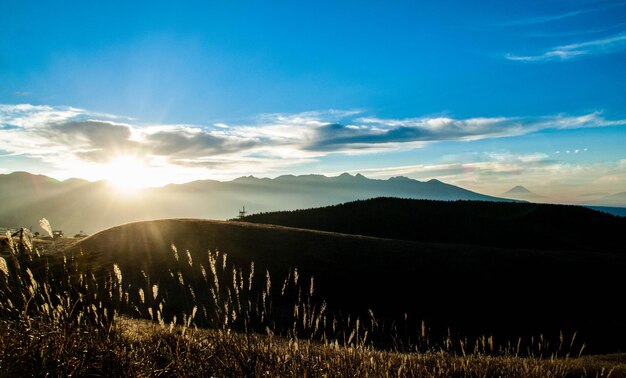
(212, 317)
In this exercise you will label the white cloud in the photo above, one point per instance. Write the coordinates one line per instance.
(612, 44)
(445, 128)
(30, 116)
(63, 137)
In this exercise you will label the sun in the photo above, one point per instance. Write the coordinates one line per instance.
(126, 174)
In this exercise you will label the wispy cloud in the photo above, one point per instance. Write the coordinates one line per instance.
(549, 18)
(608, 45)
(486, 164)
(450, 129)
(496, 172)
(69, 136)
(542, 19)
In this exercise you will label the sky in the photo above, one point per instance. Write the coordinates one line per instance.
(485, 94)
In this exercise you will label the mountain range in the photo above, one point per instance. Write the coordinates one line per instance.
(74, 205)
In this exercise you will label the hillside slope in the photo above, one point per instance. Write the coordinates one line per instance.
(473, 290)
(507, 225)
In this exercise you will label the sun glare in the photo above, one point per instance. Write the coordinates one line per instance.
(126, 174)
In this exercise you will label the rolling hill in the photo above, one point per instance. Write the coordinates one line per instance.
(472, 289)
(507, 225)
(75, 205)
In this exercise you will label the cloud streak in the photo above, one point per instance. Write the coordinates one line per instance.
(549, 18)
(564, 15)
(484, 165)
(270, 142)
(608, 45)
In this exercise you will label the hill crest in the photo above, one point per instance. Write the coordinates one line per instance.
(501, 224)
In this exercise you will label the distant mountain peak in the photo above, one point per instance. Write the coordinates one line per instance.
(347, 176)
(400, 178)
(24, 174)
(245, 179)
(284, 177)
(75, 181)
(27, 176)
(519, 190)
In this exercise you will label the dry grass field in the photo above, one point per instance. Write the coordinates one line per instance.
(108, 313)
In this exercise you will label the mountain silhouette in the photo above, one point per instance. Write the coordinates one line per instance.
(518, 189)
(521, 192)
(74, 204)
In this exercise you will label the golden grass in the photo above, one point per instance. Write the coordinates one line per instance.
(143, 348)
(59, 319)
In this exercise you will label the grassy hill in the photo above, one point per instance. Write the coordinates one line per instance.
(500, 224)
(473, 290)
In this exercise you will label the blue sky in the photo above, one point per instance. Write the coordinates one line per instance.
(484, 94)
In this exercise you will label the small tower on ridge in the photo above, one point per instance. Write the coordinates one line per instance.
(242, 213)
